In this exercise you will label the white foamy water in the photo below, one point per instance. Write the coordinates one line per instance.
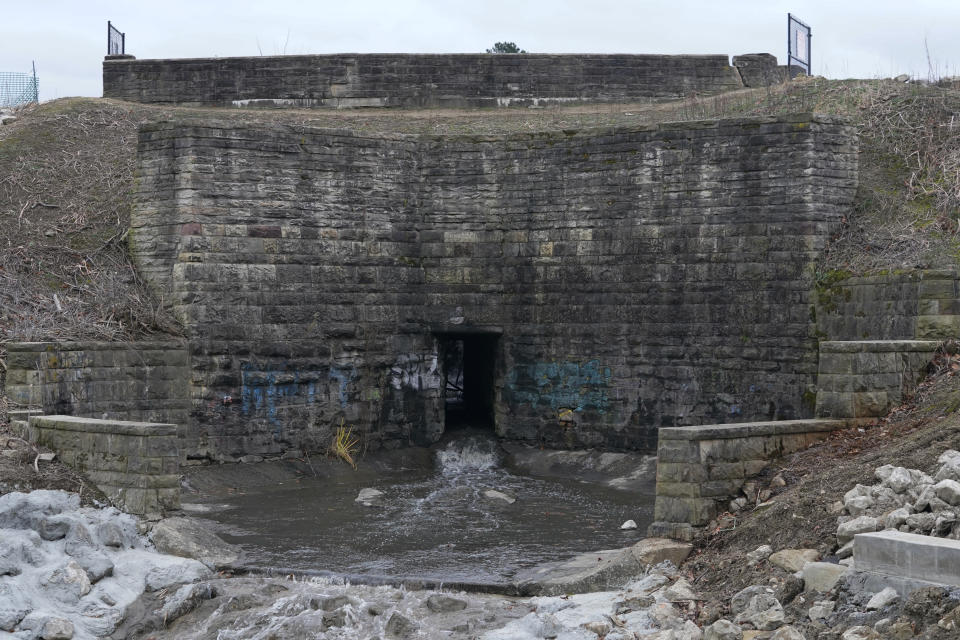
(467, 455)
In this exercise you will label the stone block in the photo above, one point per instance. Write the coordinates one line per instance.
(680, 472)
(695, 511)
(908, 555)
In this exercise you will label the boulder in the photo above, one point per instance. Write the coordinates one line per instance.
(949, 470)
(922, 522)
(759, 554)
(897, 517)
(858, 505)
(899, 479)
(189, 538)
(860, 633)
(653, 551)
(821, 609)
(629, 524)
(862, 524)
(370, 497)
(57, 629)
(67, 583)
(948, 491)
(763, 612)
(399, 626)
(882, 599)
(793, 559)
(175, 573)
(822, 576)
(184, 600)
(439, 603)
(788, 633)
(742, 598)
(13, 607)
(493, 494)
(723, 630)
(679, 591)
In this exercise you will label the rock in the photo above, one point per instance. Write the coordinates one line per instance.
(928, 603)
(439, 603)
(948, 491)
(679, 591)
(922, 522)
(94, 562)
(899, 479)
(182, 572)
(189, 538)
(629, 524)
(860, 633)
(493, 494)
(599, 627)
(778, 481)
(21, 510)
(738, 504)
(68, 583)
(862, 524)
(793, 559)
(369, 497)
(742, 598)
(951, 621)
(723, 630)
(333, 602)
(792, 587)
(13, 607)
(111, 534)
(822, 576)
(949, 454)
(759, 554)
(763, 612)
(949, 470)
(882, 599)
(903, 77)
(944, 523)
(54, 527)
(653, 551)
(835, 508)
(57, 629)
(897, 517)
(788, 633)
(821, 609)
(184, 600)
(400, 626)
(846, 551)
(7, 120)
(858, 505)
(251, 459)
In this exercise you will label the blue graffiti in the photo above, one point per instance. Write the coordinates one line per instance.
(262, 388)
(343, 376)
(559, 385)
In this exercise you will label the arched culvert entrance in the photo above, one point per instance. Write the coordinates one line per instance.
(469, 369)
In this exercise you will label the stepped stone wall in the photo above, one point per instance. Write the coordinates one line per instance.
(429, 80)
(627, 279)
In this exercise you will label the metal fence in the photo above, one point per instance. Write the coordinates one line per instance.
(18, 88)
(799, 35)
(116, 41)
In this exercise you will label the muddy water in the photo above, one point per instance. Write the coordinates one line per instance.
(434, 523)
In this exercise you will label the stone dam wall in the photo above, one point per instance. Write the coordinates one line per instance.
(618, 280)
(431, 80)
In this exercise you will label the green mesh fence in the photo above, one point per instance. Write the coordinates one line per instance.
(17, 88)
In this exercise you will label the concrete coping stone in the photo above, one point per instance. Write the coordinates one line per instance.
(95, 345)
(751, 429)
(908, 555)
(16, 414)
(858, 346)
(95, 425)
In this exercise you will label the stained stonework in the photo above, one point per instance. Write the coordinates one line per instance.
(430, 80)
(623, 279)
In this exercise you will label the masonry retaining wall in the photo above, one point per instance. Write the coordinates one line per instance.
(136, 464)
(428, 80)
(141, 381)
(629, 278)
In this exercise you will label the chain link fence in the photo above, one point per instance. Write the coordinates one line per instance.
(18, 88)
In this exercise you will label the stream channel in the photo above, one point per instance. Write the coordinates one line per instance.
(433, 523)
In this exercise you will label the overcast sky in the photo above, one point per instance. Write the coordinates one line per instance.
(851, 38)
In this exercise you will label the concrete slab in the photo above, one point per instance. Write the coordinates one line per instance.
(908, 555)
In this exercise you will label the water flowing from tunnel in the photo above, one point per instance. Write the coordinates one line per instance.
(462, 518)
